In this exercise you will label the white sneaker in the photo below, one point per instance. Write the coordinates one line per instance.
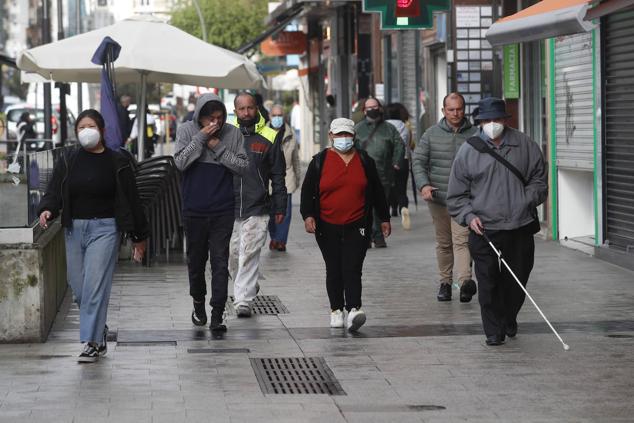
(356, 319)
(407, 224)
(336, 319)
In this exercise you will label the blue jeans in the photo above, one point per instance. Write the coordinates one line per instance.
(280, 232)
(91, 255)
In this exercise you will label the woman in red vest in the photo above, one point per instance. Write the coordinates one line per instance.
(340, 191)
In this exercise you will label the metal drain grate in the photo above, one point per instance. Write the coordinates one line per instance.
(265, 304)
(295, 375)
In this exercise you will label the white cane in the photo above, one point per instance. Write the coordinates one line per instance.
(499, 254)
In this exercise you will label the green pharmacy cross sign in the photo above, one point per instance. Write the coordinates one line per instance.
(406, 14)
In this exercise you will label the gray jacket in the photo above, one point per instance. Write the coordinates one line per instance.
(435, 153)
(207, 183)
(480, 186)
(191, 143)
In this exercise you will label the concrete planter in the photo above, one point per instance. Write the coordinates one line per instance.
(32, 282)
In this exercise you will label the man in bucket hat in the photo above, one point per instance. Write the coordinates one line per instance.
(497, 179)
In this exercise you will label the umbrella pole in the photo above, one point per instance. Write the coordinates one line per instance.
(140, 118)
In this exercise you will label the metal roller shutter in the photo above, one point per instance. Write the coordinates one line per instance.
(618, 33)
(573, 102)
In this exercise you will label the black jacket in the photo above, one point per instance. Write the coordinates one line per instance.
(128, 211)
(266, 164)
(374, 194)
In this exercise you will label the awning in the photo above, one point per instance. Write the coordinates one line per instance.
(546, 19)
(275, 25)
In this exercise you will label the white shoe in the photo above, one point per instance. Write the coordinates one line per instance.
(407, 224)
(243, 310)
(336, 319)
(356, 319)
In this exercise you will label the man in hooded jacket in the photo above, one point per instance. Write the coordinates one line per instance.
(209, 153)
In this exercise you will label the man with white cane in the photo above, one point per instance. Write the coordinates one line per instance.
(497, 180)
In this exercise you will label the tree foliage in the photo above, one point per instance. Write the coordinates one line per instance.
(229, 23)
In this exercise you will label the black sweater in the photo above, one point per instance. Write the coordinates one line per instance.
(128, 212)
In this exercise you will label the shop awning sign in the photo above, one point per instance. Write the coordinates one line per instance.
(406, 14)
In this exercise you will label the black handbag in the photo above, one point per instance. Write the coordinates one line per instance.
(480, 146)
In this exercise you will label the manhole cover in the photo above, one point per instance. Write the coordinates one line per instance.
(264, 304)
(147, 344)
(295, 375)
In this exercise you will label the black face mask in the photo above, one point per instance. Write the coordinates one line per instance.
(373, 114)
(246, 123)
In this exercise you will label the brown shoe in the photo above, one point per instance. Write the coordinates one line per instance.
(281, 246)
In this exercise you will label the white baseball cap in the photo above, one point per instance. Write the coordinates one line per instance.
(340, 125)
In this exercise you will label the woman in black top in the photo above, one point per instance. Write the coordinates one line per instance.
(95, 189)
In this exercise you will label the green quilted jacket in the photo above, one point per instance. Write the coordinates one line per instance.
(386, 147)
(434, 155)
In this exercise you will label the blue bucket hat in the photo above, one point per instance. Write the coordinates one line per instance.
(492, 108)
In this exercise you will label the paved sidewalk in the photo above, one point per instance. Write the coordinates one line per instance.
(416, 360)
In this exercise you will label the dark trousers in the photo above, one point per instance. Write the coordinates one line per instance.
(377, 233)
(398, 195)
(500, 296)
(343, 248)
(208, 238)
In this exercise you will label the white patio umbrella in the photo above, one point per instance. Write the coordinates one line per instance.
(151, 51)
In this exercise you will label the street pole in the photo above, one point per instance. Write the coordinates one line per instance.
(203, 27)
(141, 117)
(46, 38)
(63, 87)
(80, 106)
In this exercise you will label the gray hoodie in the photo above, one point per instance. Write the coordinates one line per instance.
(480, 186)
(208, 172)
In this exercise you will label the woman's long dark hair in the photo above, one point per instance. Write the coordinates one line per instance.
(94, 115)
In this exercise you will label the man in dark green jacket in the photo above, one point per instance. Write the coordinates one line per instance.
(432, 160)
(383, 143)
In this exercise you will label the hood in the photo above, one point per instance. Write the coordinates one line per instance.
(204, 99)
(445, 126)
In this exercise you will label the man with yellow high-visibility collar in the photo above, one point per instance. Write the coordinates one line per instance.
(253, 203)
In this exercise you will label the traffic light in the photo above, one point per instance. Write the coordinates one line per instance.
(406, 14)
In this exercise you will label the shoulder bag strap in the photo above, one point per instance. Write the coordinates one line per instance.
(480, 146)
(365, 143)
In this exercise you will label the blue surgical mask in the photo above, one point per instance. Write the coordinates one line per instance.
(343, 144)
(277, 121)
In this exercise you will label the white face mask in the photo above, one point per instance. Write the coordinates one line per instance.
(493, 129)
(89, 138)
(343, 144)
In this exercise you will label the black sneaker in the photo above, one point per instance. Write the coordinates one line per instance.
(467, 290)
(216, 324)
(444, 294)
(495, 340)
(89, 355)
(380, 243)
(102, 349)
(511, 329)
(199, 315)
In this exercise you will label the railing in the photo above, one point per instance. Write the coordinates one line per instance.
(24, 175)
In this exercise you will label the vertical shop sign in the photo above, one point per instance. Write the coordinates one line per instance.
(511, 71)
